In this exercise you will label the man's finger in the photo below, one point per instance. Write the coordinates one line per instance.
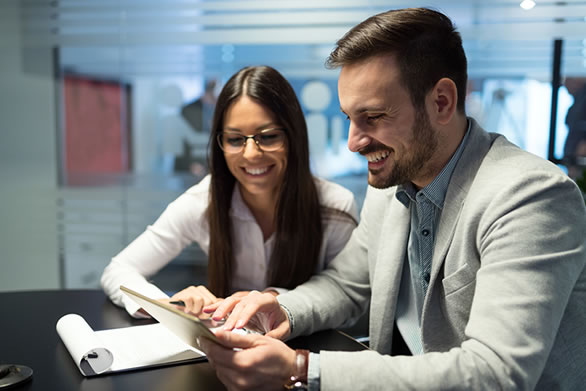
(281, 332)
(244, 315)
(235, 340)
(217, 355)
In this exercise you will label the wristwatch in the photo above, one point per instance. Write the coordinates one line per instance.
(298, 380)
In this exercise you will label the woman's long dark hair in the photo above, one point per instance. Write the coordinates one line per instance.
(299, 228)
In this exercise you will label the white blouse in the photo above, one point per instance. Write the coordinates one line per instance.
(183, 222)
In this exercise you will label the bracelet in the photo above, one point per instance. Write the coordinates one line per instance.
(298, 380)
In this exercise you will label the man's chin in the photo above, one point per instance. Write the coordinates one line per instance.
(378, 181)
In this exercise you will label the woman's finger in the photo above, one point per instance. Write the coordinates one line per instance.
(208, 309)
(225, 307)
(193, 304)
(208, 296)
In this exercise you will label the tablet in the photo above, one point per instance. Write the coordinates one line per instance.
(185, 326)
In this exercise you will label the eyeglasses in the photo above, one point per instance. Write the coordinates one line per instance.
(267, 140)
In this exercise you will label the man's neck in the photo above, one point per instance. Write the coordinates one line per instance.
(449, 138)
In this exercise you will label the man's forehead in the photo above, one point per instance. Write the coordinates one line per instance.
(368, 83)
(386, 61)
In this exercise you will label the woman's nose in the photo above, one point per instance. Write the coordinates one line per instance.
(251, 148)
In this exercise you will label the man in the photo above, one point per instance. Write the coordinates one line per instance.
(471, 248)
(575, 146)
(200, 112)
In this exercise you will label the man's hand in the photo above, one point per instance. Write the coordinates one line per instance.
(260, 309)
(195, 298)
(259, 363)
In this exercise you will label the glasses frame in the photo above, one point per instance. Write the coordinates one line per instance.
(253, 137)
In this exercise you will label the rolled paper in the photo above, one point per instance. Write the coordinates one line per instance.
(88, 353)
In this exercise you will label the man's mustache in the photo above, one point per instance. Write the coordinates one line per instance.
(370, 148)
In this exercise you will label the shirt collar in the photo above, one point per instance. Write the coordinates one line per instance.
(239, 209)
(436, 190)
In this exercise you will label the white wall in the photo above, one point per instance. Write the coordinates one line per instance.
(28, 172)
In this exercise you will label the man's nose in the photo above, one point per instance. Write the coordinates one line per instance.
(357, 138)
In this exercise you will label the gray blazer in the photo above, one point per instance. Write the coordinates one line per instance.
(506, 305)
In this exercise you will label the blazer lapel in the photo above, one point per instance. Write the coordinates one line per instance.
(392, 249)
(479, 143)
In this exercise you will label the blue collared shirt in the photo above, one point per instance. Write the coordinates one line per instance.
(425, 207)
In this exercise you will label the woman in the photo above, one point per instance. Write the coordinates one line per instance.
(260, 215)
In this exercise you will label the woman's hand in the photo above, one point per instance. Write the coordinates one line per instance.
(260, 309)
(195, 299)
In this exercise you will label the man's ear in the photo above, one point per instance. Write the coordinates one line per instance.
(443, 101)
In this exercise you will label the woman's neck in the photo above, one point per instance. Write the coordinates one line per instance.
(263, 208)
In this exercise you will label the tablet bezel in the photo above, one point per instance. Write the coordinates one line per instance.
(185, 326)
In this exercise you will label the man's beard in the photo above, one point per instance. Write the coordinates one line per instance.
(410, 166)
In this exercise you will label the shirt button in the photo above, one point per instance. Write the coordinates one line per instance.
(425, 232)
(427, 276)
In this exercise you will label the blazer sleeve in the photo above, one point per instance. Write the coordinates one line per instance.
(341, 291)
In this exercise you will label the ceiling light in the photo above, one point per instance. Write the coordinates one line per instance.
(527, 4)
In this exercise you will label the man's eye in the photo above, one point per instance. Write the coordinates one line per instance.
(374, 117)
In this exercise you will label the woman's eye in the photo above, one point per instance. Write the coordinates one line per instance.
(267, 138)
(234, 141)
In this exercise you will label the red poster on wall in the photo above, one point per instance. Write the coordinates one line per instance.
(97, 131)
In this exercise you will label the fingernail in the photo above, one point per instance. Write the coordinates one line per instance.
(240, 324)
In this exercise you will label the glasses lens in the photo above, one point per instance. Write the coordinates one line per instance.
(267, 140)
(271, 140)
(230, 142)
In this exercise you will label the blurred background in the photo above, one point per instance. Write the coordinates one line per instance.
(105, 108)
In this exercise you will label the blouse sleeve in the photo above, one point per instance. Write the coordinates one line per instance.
(338, 233)
(182, 223)
(338, 227)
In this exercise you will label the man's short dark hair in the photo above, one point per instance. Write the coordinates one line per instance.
(426, 45)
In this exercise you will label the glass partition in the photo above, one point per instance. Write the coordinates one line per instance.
(106, 124)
